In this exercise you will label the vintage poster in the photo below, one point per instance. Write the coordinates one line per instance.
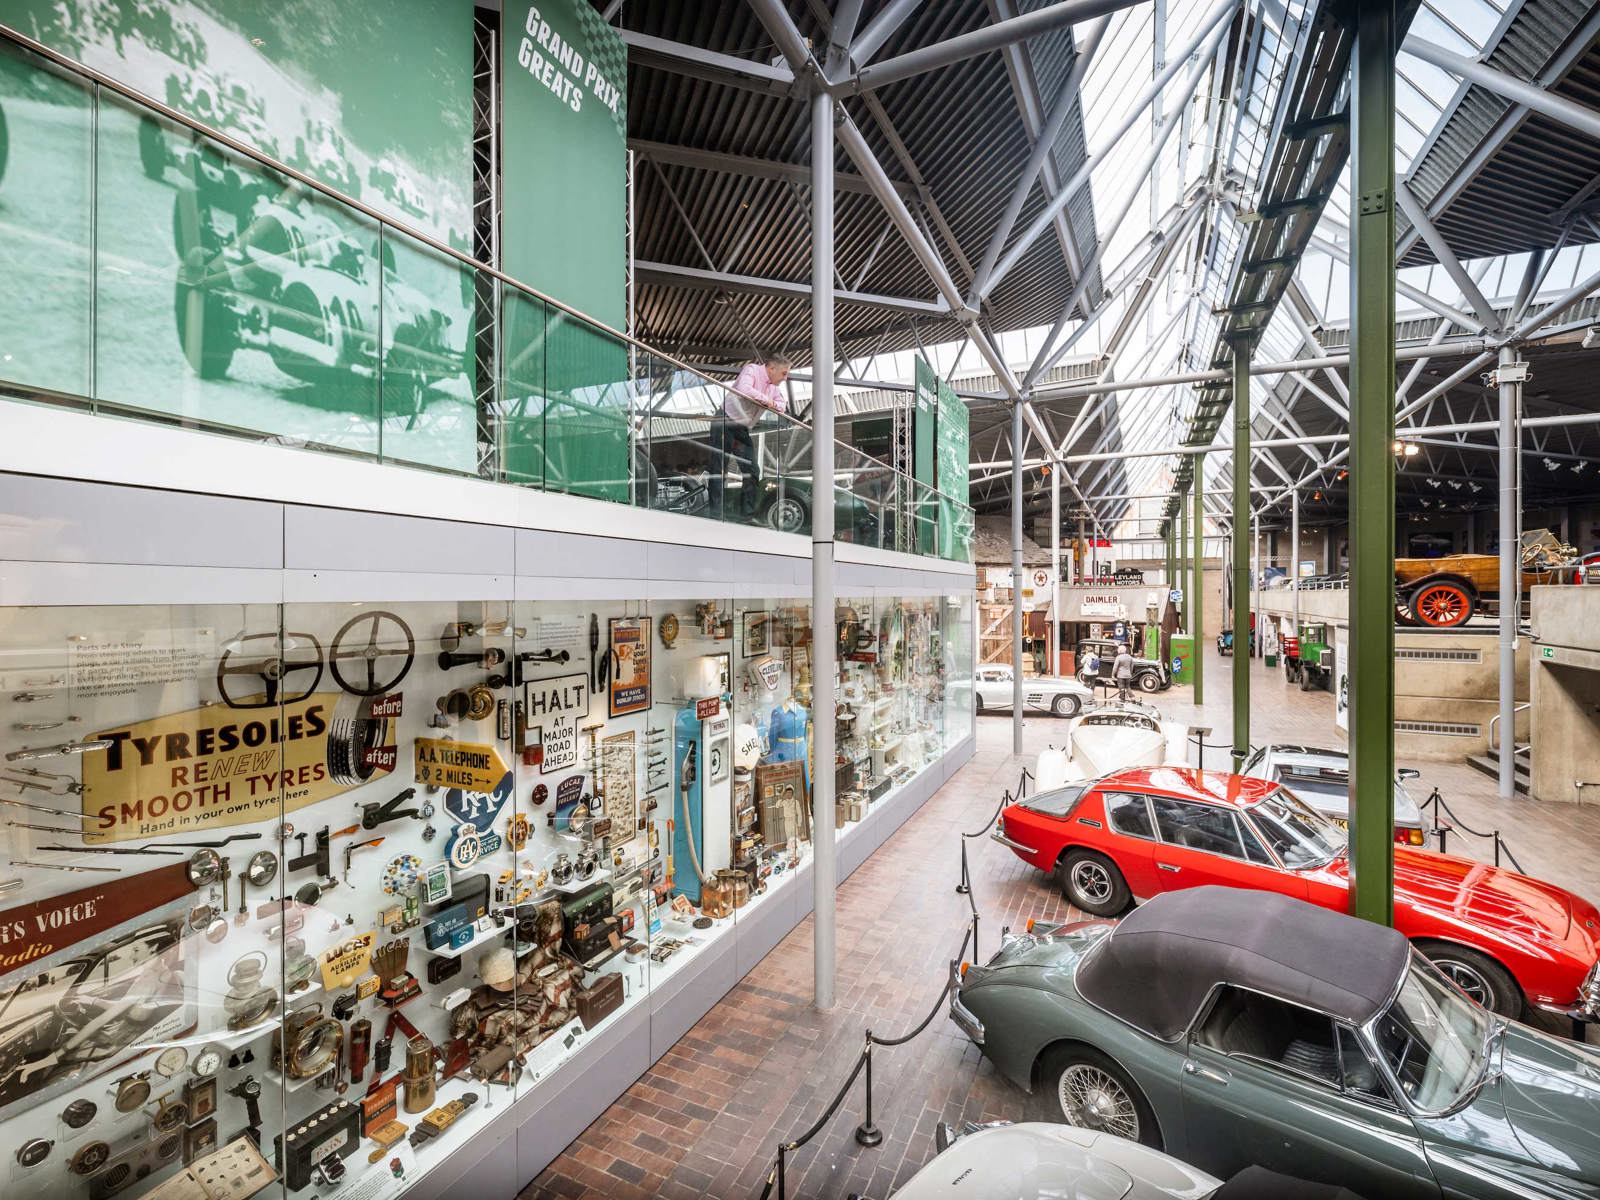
(755, 631)
(556, 706)
(216, 766)
(630, 668)
(72, 1012)
(617, 759)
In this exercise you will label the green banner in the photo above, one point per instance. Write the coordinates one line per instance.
(924, 465)
(955, 521)
(150, 268)
(564, 230)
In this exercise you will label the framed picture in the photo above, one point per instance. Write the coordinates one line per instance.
(755, 630)
(724, 663)
(629, 690)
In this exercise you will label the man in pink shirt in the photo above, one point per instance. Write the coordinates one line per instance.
(758, 387)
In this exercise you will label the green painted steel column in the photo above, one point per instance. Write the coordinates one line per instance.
(1241, 551)
(1199, 601)
(1183, 554)
(1372, 531)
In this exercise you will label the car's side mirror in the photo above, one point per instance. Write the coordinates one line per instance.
(1409, 773)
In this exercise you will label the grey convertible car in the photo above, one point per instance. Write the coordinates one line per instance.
(1232, 1027)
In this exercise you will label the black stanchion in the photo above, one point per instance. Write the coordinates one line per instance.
(868, 1134)
(964, 888)
(1437, 802)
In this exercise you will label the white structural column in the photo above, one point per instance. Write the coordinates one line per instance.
(1016, 578)
(825, 875)
(1509, 377)
(1294, 558)
(1055, 569)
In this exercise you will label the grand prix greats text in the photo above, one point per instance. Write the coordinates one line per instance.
(557, 64)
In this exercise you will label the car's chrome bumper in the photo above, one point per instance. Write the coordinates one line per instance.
(966, 1020)
(1028, 851)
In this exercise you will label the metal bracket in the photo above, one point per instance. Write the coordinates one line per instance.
(1510, 373)
(1379, 200)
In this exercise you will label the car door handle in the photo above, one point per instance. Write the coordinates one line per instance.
(1220, 1078)
(1169, 867)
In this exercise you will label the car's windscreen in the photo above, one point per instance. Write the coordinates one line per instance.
(1058, 802)
(1299, 835)
(1322, 781)
(1434, 1039)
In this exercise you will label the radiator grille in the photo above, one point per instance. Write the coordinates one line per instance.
(1422, 654)
(1439, 727)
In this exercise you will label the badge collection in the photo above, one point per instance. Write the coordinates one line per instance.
(284, 910)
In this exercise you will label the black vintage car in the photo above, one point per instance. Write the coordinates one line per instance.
(1149, 674)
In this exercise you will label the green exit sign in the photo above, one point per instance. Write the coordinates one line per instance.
(1548, 653)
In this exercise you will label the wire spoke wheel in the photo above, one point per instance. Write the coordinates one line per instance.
(1442, 605)
(1092, 881)
(1091, 1098)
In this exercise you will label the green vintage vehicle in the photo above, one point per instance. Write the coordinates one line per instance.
(1232, 1027)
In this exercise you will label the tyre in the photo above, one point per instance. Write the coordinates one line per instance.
(1478, 977)
(1442, 604)
(1066, 706)
(977, 703)
(788, 514)
(1083, 1087)
(1308, 679)
(1149, 682)
(206, 329)
(1093, 883)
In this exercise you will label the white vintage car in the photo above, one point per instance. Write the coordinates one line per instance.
(1040, 693)
(1038, 1161)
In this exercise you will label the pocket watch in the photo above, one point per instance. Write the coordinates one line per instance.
(207, 1062)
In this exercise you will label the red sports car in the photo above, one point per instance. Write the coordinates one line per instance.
(1507, 940)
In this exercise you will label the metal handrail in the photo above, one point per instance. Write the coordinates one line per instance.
(101, 79)
(1514, 711)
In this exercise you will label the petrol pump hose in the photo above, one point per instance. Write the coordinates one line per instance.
(687, 778)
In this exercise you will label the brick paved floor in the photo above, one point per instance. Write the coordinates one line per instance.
(705, 1120)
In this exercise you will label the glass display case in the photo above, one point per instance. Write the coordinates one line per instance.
(301, 895)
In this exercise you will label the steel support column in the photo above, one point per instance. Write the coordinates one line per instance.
(1372, 529)
(825, 878)
(1294, 558)
(1509, 377)
(1183, 574)
(1055, 569)
(1241, 550)
(1016, 578)
(1199, 601)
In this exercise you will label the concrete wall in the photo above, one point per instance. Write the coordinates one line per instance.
(1447, 680)
(1566, 694)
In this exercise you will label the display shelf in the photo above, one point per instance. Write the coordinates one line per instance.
(278, 1079)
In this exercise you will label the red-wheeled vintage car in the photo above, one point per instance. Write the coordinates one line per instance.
(1507, 940)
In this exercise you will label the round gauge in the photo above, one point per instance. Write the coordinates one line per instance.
(400, 876)
(171, 1060)
(169, 1116)
(132, 1093)
(32, 1153)
(669, 630)
(207, 1063)
(79, 1113)
(91, 1156)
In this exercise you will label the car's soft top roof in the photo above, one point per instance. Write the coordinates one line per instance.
(1161, 962)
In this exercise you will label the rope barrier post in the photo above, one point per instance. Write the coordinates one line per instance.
(783, 1153)
(976, 957)
(965, 886)
(868, 1134)
(1497, 847)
